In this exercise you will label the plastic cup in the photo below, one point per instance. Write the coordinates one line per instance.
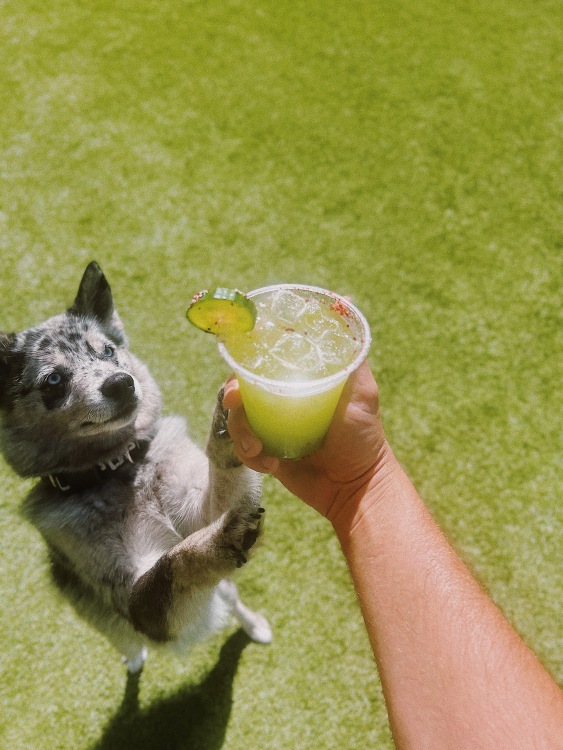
(291, 417)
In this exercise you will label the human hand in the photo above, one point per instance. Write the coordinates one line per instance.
(348, 458)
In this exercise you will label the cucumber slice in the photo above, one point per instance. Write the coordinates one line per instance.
(221, 311)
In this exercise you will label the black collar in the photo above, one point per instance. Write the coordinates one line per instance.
(98, 474)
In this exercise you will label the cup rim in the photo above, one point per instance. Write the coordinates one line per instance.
(306, 387)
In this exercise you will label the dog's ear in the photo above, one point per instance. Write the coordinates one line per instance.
(95, 300)
(6, 352)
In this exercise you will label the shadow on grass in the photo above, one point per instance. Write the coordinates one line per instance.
(194, 718)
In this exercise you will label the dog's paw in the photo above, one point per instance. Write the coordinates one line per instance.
(240, 532)
(220, 446)
(258, 628)
(219, 425)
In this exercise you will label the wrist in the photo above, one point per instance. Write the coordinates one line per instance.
(358, 501)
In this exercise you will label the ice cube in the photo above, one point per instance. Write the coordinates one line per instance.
(336, 347)
(286, 306)
(247, 348)
(296, 352)
(313, 318)
(318, 320)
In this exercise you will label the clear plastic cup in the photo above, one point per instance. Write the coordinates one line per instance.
(291, 416)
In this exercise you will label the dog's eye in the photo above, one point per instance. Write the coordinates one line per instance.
(54, 378)
(109, 351)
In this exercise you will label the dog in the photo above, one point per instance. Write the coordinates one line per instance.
(143, 528)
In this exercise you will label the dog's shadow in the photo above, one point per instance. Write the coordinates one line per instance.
(195, 717)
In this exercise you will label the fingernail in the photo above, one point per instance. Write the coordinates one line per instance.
(270, 463)
(248, 443)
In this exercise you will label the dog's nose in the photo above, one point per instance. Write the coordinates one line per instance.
(118, 386)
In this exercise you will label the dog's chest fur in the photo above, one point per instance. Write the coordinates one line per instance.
(117, 530)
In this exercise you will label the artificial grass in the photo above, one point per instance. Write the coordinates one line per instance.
(409, 156)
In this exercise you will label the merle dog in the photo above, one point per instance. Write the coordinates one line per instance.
(142, 527)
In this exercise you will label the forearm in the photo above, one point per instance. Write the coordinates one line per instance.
(454, 672)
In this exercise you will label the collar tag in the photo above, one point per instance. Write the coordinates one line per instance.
(114, 463)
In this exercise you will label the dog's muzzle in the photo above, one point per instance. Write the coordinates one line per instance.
(119, 387)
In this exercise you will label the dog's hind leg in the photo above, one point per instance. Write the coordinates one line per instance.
(253, 623)
(135, 659)
(131, 647)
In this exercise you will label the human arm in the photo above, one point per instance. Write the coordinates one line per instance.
(454, 672)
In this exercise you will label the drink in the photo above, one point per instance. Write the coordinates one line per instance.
(293, 365)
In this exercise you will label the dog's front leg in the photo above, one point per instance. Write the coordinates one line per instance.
(230, 483)
(158, 600)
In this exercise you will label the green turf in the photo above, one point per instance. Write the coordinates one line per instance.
(406, 154)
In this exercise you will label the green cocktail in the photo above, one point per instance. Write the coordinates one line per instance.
(293, 365)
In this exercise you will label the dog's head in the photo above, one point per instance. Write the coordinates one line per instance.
(70, 390)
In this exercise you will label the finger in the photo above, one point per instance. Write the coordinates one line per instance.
(231, 393)
(247, 445)
(262, 464)
(270, 464)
